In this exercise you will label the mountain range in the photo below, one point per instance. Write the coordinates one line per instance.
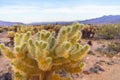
(103, 20)
(7, 23)
(110, 19)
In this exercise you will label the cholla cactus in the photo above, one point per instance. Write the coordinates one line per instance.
(11, 28)
(46, 54)
(11, 34)
(23, 29)
(89, 31)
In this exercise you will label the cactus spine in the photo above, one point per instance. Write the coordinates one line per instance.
(45, 54)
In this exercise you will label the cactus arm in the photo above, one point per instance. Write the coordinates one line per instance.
(20, 50)
(76, 69)
(26, 36)
(63, 50)
(62, 36)
(74, 29)
(7, 52)
(19, 76)
(22, 67)
(76, 38)
(79, 54)
(45, 63)
(17, 39)
(30, 61)
(31, 46)
(61, 60)
(51, 42)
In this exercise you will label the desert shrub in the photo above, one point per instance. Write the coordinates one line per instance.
(89, 31)
(114, 46)
(111, 49)
(109, 31)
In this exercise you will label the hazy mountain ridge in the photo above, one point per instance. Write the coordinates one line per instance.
(7, 23)
(103, 20)
(110, 19)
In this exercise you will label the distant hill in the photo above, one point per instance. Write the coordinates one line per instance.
(45, 23)
(101, 20)
(7, 23)
(110, 19)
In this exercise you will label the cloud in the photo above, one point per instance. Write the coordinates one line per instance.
(33, 13)
(85, 9)
(16, 9)
(67, 10)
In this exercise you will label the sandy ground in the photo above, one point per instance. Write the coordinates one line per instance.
(4, 65)
(111, 72)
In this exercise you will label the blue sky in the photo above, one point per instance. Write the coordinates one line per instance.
(56, 10)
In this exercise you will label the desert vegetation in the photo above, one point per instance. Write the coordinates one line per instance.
(57, 52)
(109, 31)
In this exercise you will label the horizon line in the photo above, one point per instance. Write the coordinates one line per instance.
(58, 20)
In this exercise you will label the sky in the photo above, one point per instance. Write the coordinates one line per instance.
(28, 11)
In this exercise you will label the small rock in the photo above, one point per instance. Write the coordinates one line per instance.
(86, 72)
(91, 53)
(101, 63)
(99, 67)
(110, 63)
(98, 56)
(93, 70)
(75, 75)
(62, 73)
(90, 43)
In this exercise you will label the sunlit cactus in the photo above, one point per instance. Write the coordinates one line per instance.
(46, 54)
(11, 28)
(24, 29)
(89, 31)
(10, 34)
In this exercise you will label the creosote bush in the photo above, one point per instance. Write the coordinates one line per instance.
(45, 54)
